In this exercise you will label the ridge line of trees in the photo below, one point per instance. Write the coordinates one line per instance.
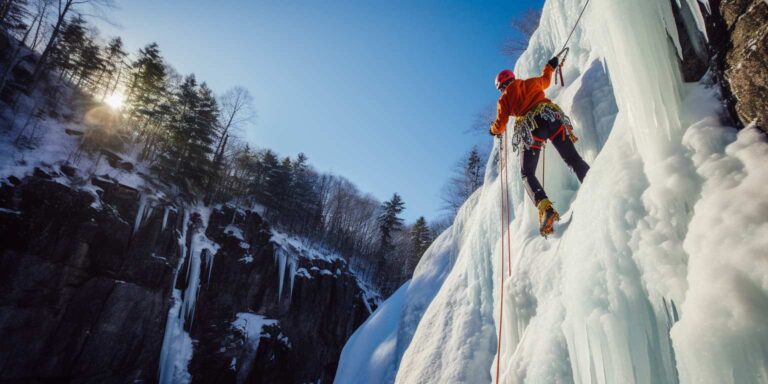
(190, 137)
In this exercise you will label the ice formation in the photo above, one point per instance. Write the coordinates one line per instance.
(251, 325)
(177, 347)
(669, 224)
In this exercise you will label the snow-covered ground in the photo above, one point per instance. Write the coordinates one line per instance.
(660, 276)
(53, 147)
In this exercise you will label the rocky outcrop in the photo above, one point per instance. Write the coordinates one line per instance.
(87, 282)
(738, 36)
(83, 299)
(315, 314)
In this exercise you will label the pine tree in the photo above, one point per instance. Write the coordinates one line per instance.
(389, 221)
(420, 237)
(147, 86)
(66, 52)
(473, 171)
(186, 158)
(90, 62)
(468, 177)
(306, 202)
(12, 14)
(114, 62)
(262, 170)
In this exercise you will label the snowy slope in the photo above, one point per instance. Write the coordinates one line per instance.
(669, 224)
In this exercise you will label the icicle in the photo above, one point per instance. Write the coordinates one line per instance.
(292, 271)
(139, 212)
(281, 273)
(209, 266)
(177, 347)
(176, 352)
(165, 218)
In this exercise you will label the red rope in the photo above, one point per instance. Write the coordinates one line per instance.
(502, 183)
(505, 205)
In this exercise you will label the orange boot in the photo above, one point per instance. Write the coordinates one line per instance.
(547, 217)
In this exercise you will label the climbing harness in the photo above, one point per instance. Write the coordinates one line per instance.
(525, 124)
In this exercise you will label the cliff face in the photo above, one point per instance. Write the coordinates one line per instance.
(85, 290)
(738, 36)
(315, 304)
(81, 297)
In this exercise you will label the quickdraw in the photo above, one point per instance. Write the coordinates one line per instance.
(559, 69)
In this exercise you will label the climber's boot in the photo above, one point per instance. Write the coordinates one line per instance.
(547, 217)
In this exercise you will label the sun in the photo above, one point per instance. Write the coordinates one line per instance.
(115, 100)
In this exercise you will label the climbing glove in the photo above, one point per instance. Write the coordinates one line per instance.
(553, 62)
(490, 130)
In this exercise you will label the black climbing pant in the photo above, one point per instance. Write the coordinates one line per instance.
(549, 130)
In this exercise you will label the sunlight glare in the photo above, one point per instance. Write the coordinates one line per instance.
(115, 100)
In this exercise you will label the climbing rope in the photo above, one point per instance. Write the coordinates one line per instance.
(564, 50)
(544, 167)
(506, 209)
(504, 195)
(574, 27)
(504, 225)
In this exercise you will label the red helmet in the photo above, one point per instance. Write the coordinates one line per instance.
(503, 77)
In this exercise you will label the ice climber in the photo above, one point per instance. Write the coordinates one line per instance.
(537, 120)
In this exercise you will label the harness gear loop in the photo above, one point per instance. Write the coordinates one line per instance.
(525, 124)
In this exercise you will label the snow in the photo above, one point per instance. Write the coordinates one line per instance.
(251, 325)
(288, 251)
(235, 232)
(659, 277)
(368, 354)
(724, 314)
(303, 273)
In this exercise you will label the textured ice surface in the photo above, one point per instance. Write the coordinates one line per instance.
(666, 226)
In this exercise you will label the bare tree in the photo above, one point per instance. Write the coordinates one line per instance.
(467, 177)
(236, 110)
(38, 19)
(63, 9)
(482, 120)
(523, 26)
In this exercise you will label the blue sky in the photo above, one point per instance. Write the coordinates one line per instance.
(380, 92)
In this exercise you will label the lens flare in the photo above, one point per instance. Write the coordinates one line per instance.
(115, 100)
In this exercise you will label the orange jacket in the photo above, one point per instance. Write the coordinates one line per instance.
(519, 97)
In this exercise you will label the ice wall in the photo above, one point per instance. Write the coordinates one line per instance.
(667, 222)
(177, 349)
